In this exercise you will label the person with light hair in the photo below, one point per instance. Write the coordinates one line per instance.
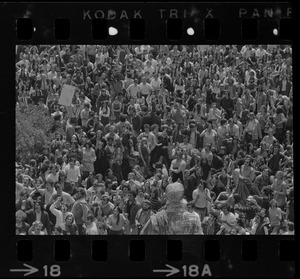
(36, 229)
(21, 226)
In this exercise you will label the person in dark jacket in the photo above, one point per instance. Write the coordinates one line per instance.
(155, 201)
(136, 122)
(227, 104)
(275, 158)
(192, 183)
(23, 203)
(80, 209)
(262, 224)
(151, 118)
(217, 162)
(104, 96)
(70, 129)
(194, 136)
(131, 209)
(38, 214)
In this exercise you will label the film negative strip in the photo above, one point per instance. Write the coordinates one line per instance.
(169, 50)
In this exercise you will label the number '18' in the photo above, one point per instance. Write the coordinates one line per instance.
(191, 271)
(52, 270)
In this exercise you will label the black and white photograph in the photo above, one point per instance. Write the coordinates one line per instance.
(154, 140)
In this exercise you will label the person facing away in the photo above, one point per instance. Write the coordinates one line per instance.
(175, 219)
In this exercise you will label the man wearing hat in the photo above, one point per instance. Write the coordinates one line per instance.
(143, 215)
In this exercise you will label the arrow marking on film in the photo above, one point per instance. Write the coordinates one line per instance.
(29, 271)
(173, 270)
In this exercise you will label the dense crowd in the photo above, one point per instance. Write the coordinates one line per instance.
(218, 119)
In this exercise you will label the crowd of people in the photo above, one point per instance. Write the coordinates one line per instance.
(217, 119)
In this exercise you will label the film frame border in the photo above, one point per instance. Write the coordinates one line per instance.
(187, 243)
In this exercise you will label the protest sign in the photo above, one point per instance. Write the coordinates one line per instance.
(66, 95)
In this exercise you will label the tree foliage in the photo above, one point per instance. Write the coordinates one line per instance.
(33, 127)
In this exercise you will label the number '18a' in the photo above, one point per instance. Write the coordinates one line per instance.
(193, 271)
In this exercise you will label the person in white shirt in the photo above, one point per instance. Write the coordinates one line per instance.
(191, 209)
(149, 136)
(227, 218)
(214, 113)
(155, 82)
(149, 68)
(57, 80)
(132, 182)
(65, 197)
(145, 88)
(232, 129)
(53, 175)
(47, 192)
(201, 197)
(290, 229)
(138, 50)
(59, 214)
(247, 74)
(90, 226)
(73, 172)
(133, 104)
(63, 51)
(152, 61)
(52, 73)
(24, 61)
(112, 133)
(133, 89)
(57, 114)
(145, 48)
(246, 51)
(128, 81)
(186, 144)
(260, 52)
(101, 55)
